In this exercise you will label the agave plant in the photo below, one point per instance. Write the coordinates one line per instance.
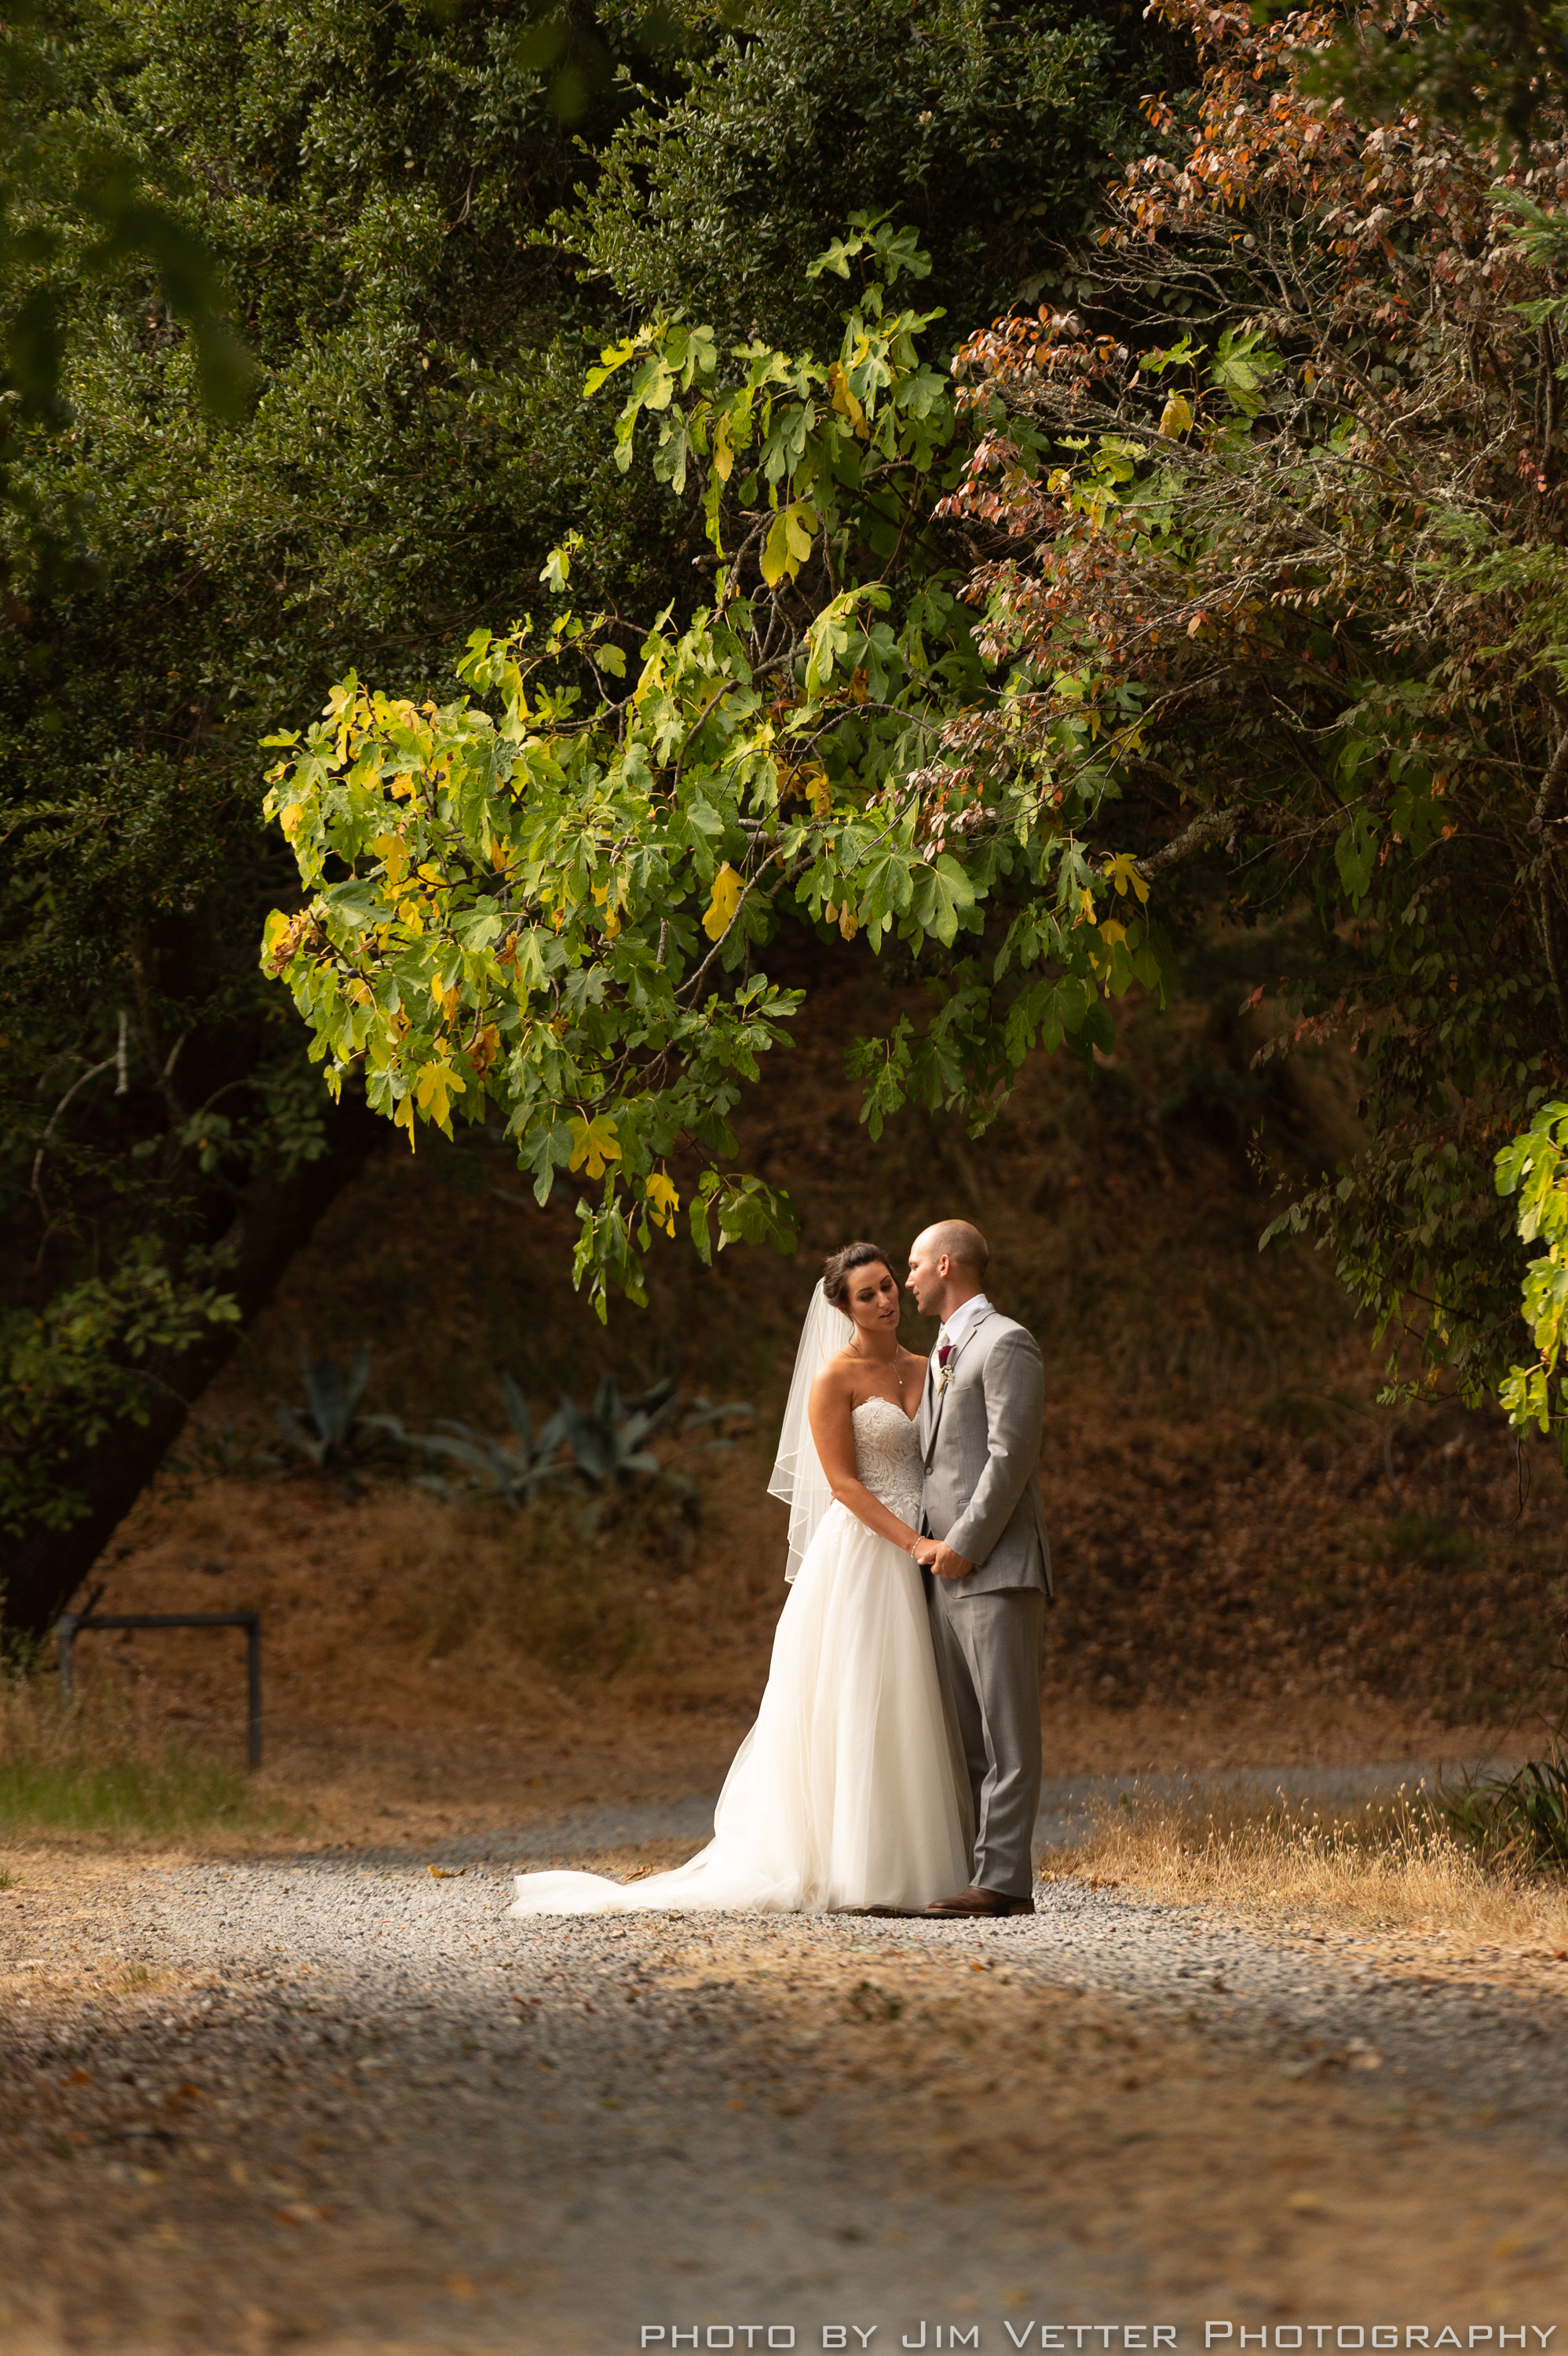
(516, 1473)
(606, 1447)
(329, 1429)
(1520, 1820)
(609, 1442)
(610, 1448)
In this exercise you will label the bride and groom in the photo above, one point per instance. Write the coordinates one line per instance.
(895, 1761)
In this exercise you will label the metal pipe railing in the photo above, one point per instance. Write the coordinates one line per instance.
(71, 1625)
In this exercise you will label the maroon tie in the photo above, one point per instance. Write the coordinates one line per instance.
(943, 1354)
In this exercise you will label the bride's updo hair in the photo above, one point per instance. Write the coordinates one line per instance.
(837, 1271)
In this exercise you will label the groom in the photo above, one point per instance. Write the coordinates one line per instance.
(987, 1551)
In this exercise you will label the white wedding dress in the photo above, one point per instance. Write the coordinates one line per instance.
(849, 1789)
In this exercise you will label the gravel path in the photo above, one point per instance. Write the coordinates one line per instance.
(342, 2102)
(399, 1941)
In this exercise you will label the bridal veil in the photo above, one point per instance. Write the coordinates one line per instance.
(797, 1475)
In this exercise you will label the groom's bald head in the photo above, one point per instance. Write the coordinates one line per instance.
(947, 1266)
(956, 1240)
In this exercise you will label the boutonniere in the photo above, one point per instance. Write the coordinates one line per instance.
(945, 1378)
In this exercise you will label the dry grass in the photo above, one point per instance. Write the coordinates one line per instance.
(1389, 1868)
(106, 1767)
(451, 1663)
(1239, 1580)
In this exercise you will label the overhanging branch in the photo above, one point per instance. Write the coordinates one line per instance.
(1214, 826)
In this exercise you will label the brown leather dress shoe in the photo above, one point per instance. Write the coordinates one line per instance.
(980, 1903)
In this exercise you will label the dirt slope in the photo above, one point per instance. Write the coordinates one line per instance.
(1252, 1567)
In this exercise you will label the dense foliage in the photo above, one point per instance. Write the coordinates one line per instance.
(1230, 575)
(985, 131)
(78, 203)
(375, 187)
(1300, 534)
(557, 907)
(1269, 613)
(1489, 68)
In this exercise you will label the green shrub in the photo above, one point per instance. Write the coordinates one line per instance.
(1520, 1820)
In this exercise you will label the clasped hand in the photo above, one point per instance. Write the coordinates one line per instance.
(937, 1556)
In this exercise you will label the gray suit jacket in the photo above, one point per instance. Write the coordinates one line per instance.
(980, 1439)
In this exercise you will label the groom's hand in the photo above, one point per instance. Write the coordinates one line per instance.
(936, 1556)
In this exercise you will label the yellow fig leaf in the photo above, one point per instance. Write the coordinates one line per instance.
(813, 783)
(404, 1118)
(435, 1085)
(788, 542)
(728, 889)
(1113, 934)
(723, 447)
(664, 1199)
(393, 853)
(593, 1142)
(1176, 416)
(844, 403)
(289, 819)
(799, 523)
(775, 558)
(1123, 872)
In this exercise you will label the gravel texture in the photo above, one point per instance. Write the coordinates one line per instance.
(341, 2101)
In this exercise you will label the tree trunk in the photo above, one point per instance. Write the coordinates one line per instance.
(41, 1570)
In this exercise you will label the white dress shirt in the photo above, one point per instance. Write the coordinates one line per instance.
(959, 1324)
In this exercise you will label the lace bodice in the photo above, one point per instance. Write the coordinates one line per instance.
(887, 1457)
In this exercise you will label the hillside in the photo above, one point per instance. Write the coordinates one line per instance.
(1255, 1562)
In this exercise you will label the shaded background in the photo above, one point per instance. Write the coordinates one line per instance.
(1255, 1562)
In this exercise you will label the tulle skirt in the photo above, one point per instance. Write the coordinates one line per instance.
(849, 1790)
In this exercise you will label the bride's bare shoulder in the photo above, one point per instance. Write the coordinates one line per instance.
(837, 1375)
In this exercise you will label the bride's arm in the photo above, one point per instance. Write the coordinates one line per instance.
(833, 1431)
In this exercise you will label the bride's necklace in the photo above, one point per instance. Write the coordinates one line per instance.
(893, 1367)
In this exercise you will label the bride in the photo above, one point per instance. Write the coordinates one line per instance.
(848, 1790)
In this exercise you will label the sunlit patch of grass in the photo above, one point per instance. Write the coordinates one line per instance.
(1391, 1867)
(94, 1770)
(174, 1793)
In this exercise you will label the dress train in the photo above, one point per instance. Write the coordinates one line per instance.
(849, 1791)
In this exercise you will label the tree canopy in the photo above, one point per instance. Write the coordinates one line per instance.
(410, 215)
(1301, 527)
(1266, 615)
(718, 471)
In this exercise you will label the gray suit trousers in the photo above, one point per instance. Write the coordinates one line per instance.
(988, 1650)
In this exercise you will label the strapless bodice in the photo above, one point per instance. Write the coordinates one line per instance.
(887, 1457)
